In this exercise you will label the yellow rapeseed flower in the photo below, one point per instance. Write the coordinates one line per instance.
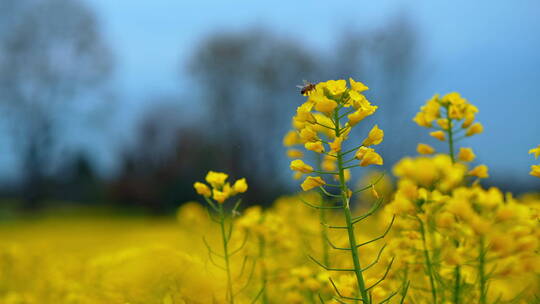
(360, 114)
(535, 170)
(375, 137)
(480, 171)
(220, 196)
(357, 86)
(303, 112)
(428, 112)
(368, 156)
(295, 153)
(314, 146)
(535, 151)
(312, 182)
(202, 189)
(300, 166)
(438, 135)
(335, 87)
(422, 120)
(443, 123)
(466, 155)
(308, 134)
(476, 128)
(359, 101)
(291, 139)
(453, 98)
(240, 186)
(216, 179)
(424, 149)
(456, 112)
(469, 119)
(324, 105)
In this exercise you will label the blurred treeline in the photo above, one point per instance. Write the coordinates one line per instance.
(55, 74)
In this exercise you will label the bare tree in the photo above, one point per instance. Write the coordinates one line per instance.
(157, 169)
(52, 55)
(384, 59)
(247, 80)
(395, 49)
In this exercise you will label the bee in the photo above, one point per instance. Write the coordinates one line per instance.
(306, 88)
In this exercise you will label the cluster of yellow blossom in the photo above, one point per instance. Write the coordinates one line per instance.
(479, 234)
(448, 112)
(535, 169)
(455, 239)
(450, 107)
(221, 190)
(317, 127)
(444, 114)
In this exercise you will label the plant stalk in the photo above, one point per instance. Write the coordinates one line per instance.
(348, 219)
(429, 264)
(230, 294)
(482, 272)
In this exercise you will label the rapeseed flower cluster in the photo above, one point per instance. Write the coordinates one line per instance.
(220, 190)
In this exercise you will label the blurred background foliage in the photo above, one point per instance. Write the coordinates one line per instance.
(69, 136)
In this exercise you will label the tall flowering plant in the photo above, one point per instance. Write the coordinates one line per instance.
(322, 125)
(452, 236)
(216, 193)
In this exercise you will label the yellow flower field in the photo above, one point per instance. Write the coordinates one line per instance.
(427, 232)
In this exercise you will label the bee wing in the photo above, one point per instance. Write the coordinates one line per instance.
(300, 86)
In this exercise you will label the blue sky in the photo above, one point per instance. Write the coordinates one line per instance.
(486, 50)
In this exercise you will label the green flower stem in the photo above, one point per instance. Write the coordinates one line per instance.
(429, 264)
(405, 283)
(230, 294)
(482, 271)
(457, 284)
(348, 220)
(457, 270)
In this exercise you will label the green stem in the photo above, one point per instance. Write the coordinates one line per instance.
(429, 265)
(457, 284)
(481, 272)
(457, 269)
(230, 294)
(348, 220)
(403, 283)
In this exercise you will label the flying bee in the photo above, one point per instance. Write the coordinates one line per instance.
(306, 88)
